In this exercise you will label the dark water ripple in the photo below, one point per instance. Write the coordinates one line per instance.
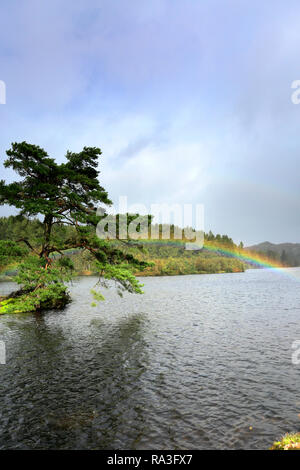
(192, 364)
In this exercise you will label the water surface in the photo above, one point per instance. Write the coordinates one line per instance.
(193, 364)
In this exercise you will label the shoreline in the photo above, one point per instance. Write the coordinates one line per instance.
(140, 274)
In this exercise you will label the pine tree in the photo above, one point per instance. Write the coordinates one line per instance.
(65, 194)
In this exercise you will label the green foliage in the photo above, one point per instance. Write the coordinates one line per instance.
(197, 264)
(65, 263)
(122, 276)
(97, 296)
(171, 258)
(34, 273)
(66, 195)
(10, 253)
(288, 442)
(53, 189)
(163, 257)
(42, 287)
(53, 296)
(19, 227)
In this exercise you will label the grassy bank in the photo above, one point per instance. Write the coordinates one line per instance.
(290, 441)
(168, 258)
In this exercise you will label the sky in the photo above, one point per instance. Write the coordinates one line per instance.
(189, 100)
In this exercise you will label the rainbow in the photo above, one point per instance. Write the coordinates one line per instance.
(256, 260)
(246, 256)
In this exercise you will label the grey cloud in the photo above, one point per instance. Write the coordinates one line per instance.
(189, 103)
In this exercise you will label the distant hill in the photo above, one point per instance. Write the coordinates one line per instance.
(287, 253)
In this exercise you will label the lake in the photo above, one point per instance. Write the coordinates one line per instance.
(197, 362)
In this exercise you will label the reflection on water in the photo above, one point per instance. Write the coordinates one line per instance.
(194, 363)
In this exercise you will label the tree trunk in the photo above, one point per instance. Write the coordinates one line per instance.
(48, 220)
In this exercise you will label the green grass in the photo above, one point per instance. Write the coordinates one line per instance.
(290, 441)
(5, 306)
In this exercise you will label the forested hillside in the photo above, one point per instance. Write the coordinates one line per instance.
(286, 253)
(169, 257)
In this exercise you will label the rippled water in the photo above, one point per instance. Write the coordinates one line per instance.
(192, 364)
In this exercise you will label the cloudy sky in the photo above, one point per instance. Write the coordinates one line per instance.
(189, 100)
